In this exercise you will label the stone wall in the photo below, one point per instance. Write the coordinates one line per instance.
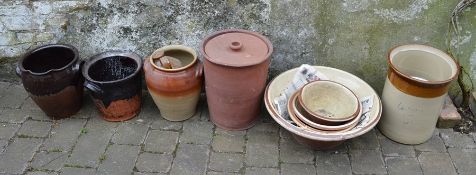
(353, 35)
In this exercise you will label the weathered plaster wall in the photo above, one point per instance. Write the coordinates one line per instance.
(353, 35)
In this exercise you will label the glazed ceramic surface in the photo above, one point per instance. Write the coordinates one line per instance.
(51, 75)
(114, 80)
(297, 114)
(328, 102)
(236, 68)
(414, 92)
(175, 91)
(322, 140)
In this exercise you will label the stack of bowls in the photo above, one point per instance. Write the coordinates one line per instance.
(325, 130)
(326, 106)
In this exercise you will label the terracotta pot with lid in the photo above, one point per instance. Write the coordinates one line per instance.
(236, 68)
(174, 78)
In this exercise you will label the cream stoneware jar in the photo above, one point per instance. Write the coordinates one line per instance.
(415, 88)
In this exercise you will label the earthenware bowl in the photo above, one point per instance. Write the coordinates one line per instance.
(296, 117)
(328, 103)
(319, 139)
(300, 114)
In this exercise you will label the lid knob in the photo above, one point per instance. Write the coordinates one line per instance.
(235, 45)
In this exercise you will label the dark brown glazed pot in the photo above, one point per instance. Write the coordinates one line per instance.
(175, 91)
(114, 80)
(236, 68)
(51, 75)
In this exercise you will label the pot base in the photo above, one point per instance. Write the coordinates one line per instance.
(120, 110)
(63, 104)
(316, 144)
(250, 125)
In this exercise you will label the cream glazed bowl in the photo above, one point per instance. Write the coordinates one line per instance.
(316, 139)
(328, 103)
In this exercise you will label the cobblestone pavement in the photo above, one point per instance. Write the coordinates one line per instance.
(85, 144)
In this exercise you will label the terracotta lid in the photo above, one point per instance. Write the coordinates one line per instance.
(236, 48)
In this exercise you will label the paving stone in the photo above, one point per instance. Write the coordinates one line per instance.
(35, 128)
(129, 133)
(367, 162)
(221, 173)
(120, 159)
(3, 144)
(228, 141)
(457, 140)
(161, 141)
(434, 144)
(259, 155)
(403, 165)
(226, 162)
(436, 163)
(14, 97)
(331, 163)
(64, 134)
(49, 160)
(297, 169)
(197, 133)
(93, 143)
(77, 171)
(13, 116)
(41, 173)
(391, 148)
(17, 154)
(449, 116)
(149, 162)
(367, 141)
(464, 160)
(7, 131)
(261, 171)
(143, 173)
(293, 152)
(263, 138)
(264, 127)
(190, 159)
(163, 124)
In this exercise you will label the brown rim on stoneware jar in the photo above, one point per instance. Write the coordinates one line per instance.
(236, 67)
(161, 53)
(416, 87)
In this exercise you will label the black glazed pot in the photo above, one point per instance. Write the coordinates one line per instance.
(51, 75)
(114, 80)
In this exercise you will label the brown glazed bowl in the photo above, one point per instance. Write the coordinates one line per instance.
(328, 103)
(298, 111)
(316, 139)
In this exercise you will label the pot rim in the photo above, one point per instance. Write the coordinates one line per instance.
(170, 48)
(302, 121)
(328, 119)
(425, 48)
(47, 46)
(107, 54)
(318, 136)
(215, 34)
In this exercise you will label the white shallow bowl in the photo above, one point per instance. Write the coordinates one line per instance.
(358, 86)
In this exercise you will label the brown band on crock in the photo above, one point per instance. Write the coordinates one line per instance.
(416, 88)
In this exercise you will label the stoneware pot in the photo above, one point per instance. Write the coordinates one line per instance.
(236, 68)
(51, 75)
(175, 90)
(114, 81)
(328, 103)
(417, 83)
(314, 138)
